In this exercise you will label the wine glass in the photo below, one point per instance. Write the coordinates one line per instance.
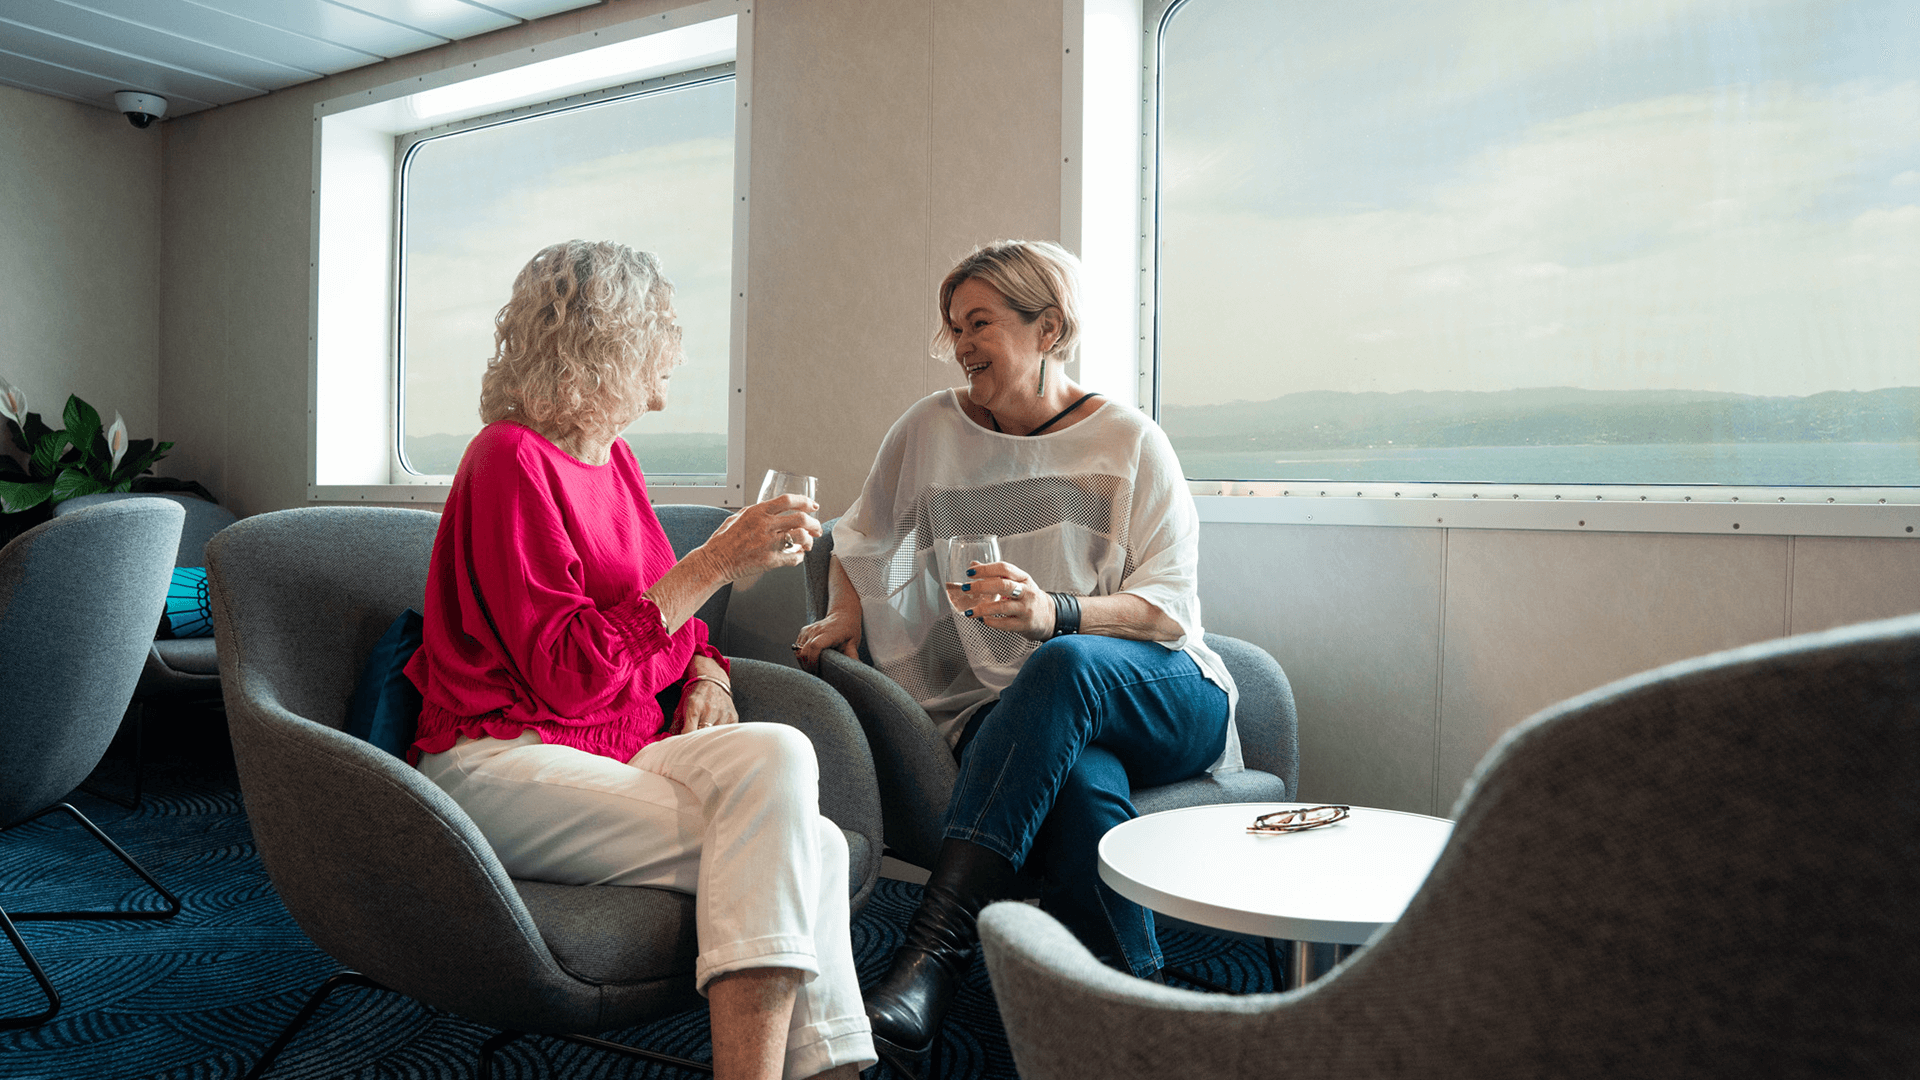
(961, 551)
(777, 483)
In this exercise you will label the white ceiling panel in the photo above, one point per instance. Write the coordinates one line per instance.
(150, 42)
(139, 73)
(236, 33)
(448, 18)
(201, 53)
(42, 78)
(534, 9)
(332, 23)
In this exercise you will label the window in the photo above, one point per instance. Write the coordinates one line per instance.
(652, 170)
(430, 193)
(1668, 242)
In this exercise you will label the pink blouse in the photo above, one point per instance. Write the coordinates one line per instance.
(561, 553)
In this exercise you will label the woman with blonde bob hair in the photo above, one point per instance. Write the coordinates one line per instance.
(1062, 674)
(555, 613)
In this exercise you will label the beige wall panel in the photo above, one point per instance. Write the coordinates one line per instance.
(197, 308)
(1837, 581)
(838, 237)
(1535, 617)
(1353, 615)
(80, 214)
(997, 69)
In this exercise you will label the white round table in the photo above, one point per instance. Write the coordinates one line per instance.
(1338, 883)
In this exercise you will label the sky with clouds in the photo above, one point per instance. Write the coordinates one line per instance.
(1377, 195)
(653, 172)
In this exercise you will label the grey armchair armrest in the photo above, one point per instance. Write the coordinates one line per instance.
(916, 770)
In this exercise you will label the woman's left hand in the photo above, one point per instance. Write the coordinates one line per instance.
(1005, 597)
(704, 705)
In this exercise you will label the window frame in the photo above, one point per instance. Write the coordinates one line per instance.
(360, 143)
(1789, 511)
(407, 143)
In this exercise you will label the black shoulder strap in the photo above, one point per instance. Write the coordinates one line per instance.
(1061, 415)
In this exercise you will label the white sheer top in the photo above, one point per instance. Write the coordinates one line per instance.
(1092, 510)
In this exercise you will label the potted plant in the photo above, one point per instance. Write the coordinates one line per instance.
(82, 458)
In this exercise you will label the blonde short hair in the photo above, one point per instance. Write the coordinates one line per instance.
(578, 347)
(1033, 275)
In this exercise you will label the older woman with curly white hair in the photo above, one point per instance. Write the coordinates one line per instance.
(555, 613)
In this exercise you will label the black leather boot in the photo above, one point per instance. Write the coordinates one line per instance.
(907, 1007)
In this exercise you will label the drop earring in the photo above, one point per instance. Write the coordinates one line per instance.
(1041, 390)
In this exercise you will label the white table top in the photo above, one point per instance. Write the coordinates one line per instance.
(1338, 883)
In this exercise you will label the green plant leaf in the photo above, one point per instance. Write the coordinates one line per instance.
(45, 461)
(17, 497)
(36, 430)
(72, 483)
(83, 425)
(130, 464)
(134, 464)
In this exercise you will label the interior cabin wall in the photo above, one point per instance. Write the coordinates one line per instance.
(889, 136)
(1411, 651)
(80, 252)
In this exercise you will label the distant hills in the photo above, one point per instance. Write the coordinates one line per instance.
(1552, 416)
(660, 455)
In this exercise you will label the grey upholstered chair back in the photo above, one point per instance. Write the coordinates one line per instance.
(687, 527)
(1712, 869)
(79, 598)
(203, 520)
(378, 866)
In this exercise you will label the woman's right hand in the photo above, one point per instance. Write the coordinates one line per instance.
(839, 630)
(753, 541)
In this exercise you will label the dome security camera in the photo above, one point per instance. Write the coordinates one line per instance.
(141, 109)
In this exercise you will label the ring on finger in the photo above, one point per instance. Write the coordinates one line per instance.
(1017, 590)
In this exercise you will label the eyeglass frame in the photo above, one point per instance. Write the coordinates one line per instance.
(1296, 820)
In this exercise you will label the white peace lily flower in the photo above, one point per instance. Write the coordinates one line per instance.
(117, 440)
(13, 403)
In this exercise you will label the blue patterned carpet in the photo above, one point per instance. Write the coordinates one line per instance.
(202, 994)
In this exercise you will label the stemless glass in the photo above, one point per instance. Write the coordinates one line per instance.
(962, 551)
(777, 483)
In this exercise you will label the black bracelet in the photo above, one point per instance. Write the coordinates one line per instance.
(1066, 614)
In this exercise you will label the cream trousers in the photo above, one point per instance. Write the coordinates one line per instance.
(729, 814)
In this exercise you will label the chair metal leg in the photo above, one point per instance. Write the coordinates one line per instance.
(493, 1046)
(1275, 968)
(8, 1023)
(340, 979)
(173, 902)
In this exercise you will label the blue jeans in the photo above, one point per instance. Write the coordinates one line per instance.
(1050, 767)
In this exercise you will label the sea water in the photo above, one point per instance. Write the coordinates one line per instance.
(1806, 464)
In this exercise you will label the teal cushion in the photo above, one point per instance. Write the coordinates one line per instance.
(385, 707)
(189, 610)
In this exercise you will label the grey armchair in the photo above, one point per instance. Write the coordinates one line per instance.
(381, 869)
(1712, 869)
(79, 597)
(917, 770)
(177, 669)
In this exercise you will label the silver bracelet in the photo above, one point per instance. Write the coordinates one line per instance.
(721, 683)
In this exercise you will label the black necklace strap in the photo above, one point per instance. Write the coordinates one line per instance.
(1057, 417)
(1062, 414)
